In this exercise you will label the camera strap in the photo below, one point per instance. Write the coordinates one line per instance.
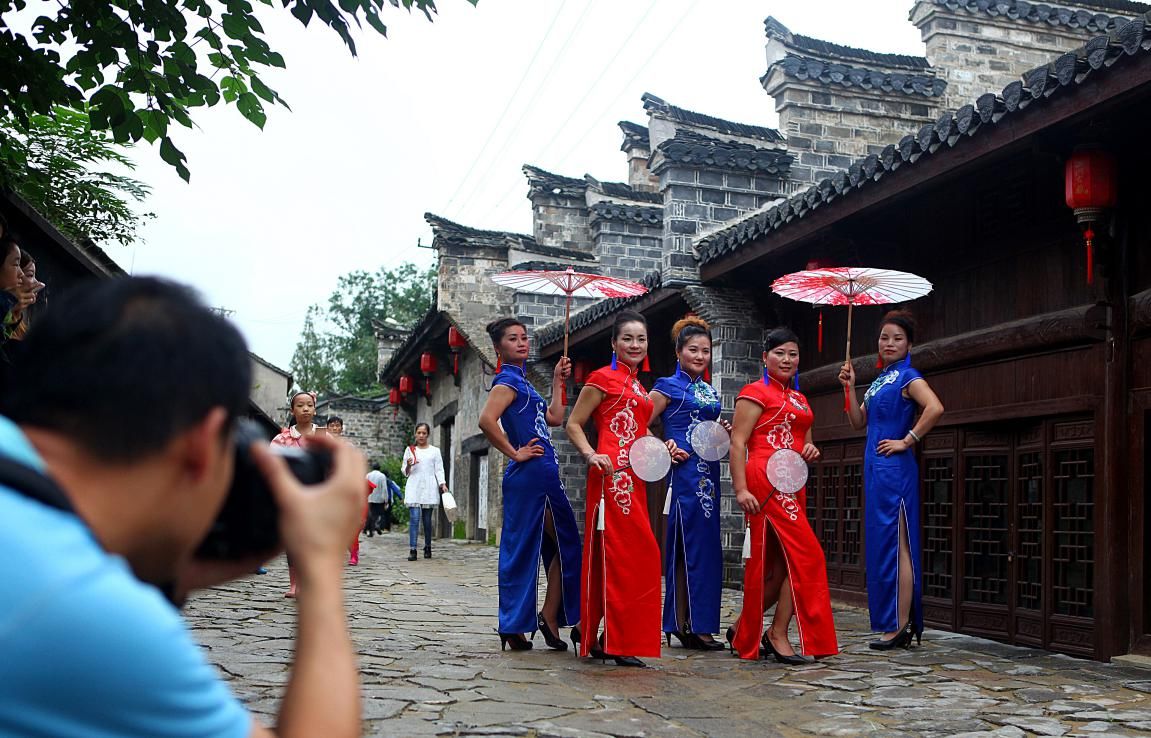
(26, 481)
(35, 485)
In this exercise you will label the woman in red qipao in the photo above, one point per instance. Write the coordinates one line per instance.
(786, 566)
(621, 565)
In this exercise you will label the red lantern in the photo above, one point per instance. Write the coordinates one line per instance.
(580, 370)
(395, 397)
(1090, 187)
(457, 343)
(407, 384)
(428, 367)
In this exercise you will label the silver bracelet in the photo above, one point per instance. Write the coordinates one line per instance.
(917, 438)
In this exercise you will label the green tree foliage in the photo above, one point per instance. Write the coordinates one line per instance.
(336, 354)
(52, 162)
(144, 64)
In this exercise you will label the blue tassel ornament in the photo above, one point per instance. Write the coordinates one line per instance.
(795, 382)
(765, 379)
(614, 363)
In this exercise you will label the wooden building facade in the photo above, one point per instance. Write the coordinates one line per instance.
(1034, 484)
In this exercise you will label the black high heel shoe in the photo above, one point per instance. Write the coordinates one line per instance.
(598, 652)
(575, 636)
(516, 641)
(902, 639)
(554, 642)
(694, 642)
(769, 649)
(730, 636)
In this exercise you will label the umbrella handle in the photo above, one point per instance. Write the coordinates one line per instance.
(849, 307)
(567, 323)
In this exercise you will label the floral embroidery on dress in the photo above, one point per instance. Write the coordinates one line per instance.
(622, 488)
(624, 424)
(780, 436)
(880, 382)
(542, 429)
(705, 395)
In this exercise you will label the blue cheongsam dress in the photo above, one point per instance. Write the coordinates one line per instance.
(531, 488)
(891, 487)
(693, 526)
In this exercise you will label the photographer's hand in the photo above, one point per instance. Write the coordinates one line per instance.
(316, 523)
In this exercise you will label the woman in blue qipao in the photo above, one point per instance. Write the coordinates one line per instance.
(538, 519)
(891, 481)
(693, 558)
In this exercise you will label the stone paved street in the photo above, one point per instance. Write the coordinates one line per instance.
(431, 665)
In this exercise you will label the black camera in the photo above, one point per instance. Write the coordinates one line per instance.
(249, 521)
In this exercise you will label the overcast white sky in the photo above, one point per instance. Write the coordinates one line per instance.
(440, 117)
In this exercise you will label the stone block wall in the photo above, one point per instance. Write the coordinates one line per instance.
(628, 250)
(697, 200)
(737, 330)
(370, 425)
(977, 52)
(466, 291)
(561, 220)
(828, 128)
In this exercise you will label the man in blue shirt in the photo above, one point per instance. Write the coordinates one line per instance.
(88, 645)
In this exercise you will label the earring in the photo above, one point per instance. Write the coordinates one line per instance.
(499, 363)
(677, 367)
(614, 363)
(646, 364)
(707, 374)
(795, 381)
(909, 357)
(878, 363)
(765, 379)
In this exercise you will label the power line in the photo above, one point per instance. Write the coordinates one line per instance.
(642, 67)
(543, 78)
(508, 105)
(563, 159)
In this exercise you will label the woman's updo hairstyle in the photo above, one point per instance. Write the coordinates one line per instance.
(778, 337)
(687, 328)
(623, 318)
(902, 318)
(497, 328)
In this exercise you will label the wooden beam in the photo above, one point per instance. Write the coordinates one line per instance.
(1043, 332)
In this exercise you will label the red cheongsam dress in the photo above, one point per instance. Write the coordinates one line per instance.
(781, 528)
(621, 564)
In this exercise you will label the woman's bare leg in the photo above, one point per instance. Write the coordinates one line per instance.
(906, 578)
(784, 611)
(554, 595)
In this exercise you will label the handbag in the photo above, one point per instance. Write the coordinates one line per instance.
(448, 500)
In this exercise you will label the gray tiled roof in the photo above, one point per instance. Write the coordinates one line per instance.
(627, 213)
(651, 103)
(1101, 55)
(1055, 15)
(829, 51)
(688, 147)
(634, 136)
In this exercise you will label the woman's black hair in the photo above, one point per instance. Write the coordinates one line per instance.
(778, 337)
(623, 318)
(6, 246)
(902, 318)
(26, 259)
(335, 419)
(422, 425)
(292, 401)
(497, 328)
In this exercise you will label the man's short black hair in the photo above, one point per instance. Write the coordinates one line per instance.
(123, 366)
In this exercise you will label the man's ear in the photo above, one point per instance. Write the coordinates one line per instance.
(201, 444)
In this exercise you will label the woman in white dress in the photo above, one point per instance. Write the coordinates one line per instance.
(424, 468)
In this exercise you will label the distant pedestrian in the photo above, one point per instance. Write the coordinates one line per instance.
(424, 468)
(302, 412)
(379, 502)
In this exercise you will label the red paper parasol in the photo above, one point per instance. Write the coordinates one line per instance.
(851, 286)
(570, 283)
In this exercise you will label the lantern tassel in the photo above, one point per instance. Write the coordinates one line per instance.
(1089, 235)
(819, 338)
(746, 543)
(456, 364)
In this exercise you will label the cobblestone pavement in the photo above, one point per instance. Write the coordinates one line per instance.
(431, 665)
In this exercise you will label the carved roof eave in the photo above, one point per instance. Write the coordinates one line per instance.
(619, 192)
(635, 136)
(830, 52)
(1102, 55)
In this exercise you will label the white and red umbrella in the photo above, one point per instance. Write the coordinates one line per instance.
(851, 286)
(570, 283)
